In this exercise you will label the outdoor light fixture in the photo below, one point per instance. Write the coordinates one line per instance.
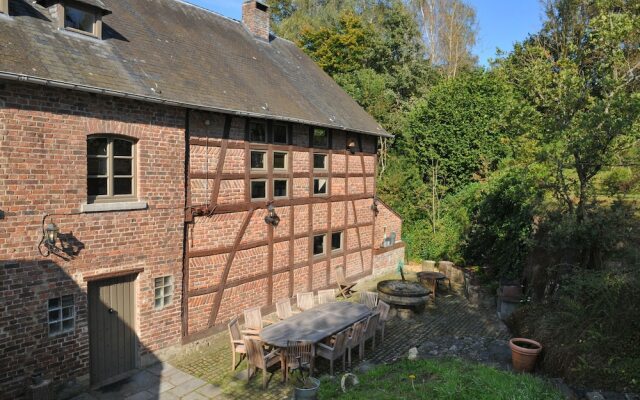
(351, 146)
(49, 241)
(374, 206)
(272, 218)
(51, 234)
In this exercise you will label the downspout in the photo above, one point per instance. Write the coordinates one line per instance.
(187, 218)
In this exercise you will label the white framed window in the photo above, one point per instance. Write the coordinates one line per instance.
(61, 314)
(319, 186)
(82, 21)
(280, 160)
(258, 189)
(280, 134)
(336, 241)
(320, 138)
(320, 161)
(280, 188)
(258, 160)
(163, 292)
(257, 131)
(318, 244)
(111, 169)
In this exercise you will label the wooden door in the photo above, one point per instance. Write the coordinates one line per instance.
(112, 337)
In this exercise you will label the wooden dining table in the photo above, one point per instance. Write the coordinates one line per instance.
(313, 325)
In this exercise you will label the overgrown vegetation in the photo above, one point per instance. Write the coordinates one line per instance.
(427, 379)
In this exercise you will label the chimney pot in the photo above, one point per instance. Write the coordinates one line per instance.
(255, 17)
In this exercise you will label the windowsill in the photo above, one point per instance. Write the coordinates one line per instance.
(113, 206)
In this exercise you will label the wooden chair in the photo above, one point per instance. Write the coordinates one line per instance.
(253, 323)
(345, 288)
(355, 336)
(237, 344)
(283, 309)
(369, 299)
(305, 301)
(382, 309)
(334, 352)
(369, 333)
(326, 296)
(299, 355)
(259, 359)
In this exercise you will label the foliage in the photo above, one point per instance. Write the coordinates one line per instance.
(441, 379)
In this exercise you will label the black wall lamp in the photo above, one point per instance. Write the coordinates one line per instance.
(272, 218)
(374, 206)
(48, 243)
(351, 146)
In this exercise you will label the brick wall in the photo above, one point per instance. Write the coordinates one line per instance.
(43, 135)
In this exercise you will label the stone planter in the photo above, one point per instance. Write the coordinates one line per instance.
(476, 294)
(524, 353)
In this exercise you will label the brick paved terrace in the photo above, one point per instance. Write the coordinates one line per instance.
(450, 316)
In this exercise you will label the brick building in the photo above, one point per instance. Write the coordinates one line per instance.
(157, 136)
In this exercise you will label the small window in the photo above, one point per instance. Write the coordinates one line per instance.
(110, 168)
(61, 314)
(258, 160)
(319, 161)
(164, 292)
(79, 20)
(279, 160)
(319, 186)
(336, 241)
(280, 187)
(280, 134)
(258, 189)
(318, 244)
(320, 138)
(257, 132)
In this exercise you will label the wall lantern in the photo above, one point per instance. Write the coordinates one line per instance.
(272, 218)
(374, 206)
(49, 243)
(351, 146)
(51, 234)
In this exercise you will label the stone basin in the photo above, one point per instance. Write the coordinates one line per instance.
(403, 294)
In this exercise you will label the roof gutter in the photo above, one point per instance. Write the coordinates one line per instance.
(12, 76)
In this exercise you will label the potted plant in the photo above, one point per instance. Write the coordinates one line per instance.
(524, 353)
(304, 385)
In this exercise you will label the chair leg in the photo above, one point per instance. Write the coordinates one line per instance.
(344, 362)
(349, 357)
(361, 350)
(331, 366)
(233, 361)
(264, 378)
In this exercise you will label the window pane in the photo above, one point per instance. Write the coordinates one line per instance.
(54, 315)
(67, 312)
(97, 186)
(257, 159)
(158, 292)
(279, 188)
(68, 324)
(122, 147)
(122, 186)
(167, 300)
(257, 132)
(336, 241)
(97, 147)
(76, 19)
(168, 280)
(318, 244)
(158, 303)
(258, 190)
(158, 282)
(55, 327)
(96, 166)
(320, 161)
(122, 166)
(279, 160)
(319, 186)
(320, 137)
(53, 303)
(67, 300)
(279, 134)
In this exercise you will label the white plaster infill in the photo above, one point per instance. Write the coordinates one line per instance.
(115, 206)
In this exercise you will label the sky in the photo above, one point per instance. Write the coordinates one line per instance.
(501, 22)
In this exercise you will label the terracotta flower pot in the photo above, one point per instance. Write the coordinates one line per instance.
(524, 353)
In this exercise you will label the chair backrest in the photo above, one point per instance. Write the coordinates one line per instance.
(383, 309)
(283, 308)
(234, 330)
(372, 325)
(253, 318)
(326, 296)
(340, 276)
(299, 350)
(357, 330)
(340, 342)
(369, 299)
(255, 353)
(305, 300)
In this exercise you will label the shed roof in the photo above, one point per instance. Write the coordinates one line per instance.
(174, 52)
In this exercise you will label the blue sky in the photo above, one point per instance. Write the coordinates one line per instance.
(502, 22)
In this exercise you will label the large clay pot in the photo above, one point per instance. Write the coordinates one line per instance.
(524, 353)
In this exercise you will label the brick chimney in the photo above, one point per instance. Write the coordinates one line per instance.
(255, 17)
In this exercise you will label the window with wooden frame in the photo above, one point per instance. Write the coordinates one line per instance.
(258, 189)
(280, 188)
(257, 131)
(258, 160)
(336, 241)
(319, 186)
(280, 134)
(318, 244)
(320, 161)
(320, 137)
(61, 314)
(280, 160)
(111, 169)
(81, 20)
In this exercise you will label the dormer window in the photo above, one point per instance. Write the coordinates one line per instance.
(79, 20)
(80, 16)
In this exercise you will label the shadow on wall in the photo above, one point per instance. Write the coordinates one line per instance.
(59, 336)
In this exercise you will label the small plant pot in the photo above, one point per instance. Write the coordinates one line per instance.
(524, 353)
(310, 392)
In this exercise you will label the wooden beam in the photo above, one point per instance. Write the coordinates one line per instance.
(265, 175)
(237, 144)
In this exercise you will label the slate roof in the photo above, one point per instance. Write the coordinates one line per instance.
(168, 50)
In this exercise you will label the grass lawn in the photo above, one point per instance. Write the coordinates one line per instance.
(441, 379)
